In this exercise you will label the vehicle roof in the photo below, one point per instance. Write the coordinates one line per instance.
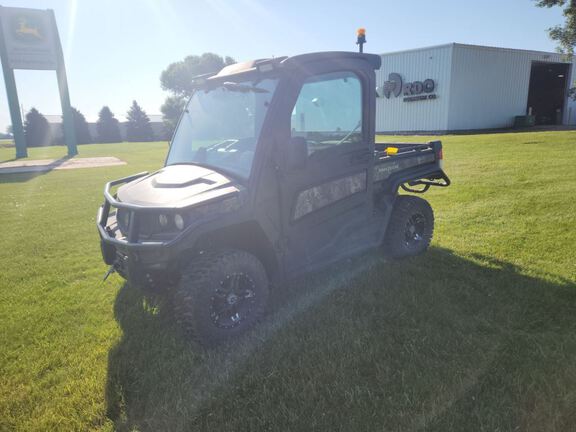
(373, 60)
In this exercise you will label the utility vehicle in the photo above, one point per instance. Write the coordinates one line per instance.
(273, 171)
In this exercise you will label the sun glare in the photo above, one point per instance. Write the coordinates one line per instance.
(72, 12)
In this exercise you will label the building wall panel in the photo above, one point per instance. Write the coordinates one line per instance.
(489, 86)
(395, 115)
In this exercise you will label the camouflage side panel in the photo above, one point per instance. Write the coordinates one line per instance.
(385, 169)
(322, 195)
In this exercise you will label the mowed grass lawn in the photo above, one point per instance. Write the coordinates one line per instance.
(479, 334)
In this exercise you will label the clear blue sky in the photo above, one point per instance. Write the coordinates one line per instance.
(115, 50)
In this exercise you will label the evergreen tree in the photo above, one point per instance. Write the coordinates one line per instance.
(138, 126)
(107, 127)
(36, 129)
(81, 127)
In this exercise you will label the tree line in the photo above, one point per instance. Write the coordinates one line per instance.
(176, 79)
(138, 128)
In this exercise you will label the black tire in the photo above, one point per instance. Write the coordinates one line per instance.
(411, 227)
(221, 295)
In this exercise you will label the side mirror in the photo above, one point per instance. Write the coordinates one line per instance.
(297, 154)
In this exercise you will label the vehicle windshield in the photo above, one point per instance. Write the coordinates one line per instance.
(220, 126)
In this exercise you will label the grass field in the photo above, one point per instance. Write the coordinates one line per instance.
(479, 334)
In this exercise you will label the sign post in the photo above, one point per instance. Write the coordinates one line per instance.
(13, 104)
(67, 117)
(29, 40)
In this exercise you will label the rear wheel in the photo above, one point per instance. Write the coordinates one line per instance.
(411, 227)
(221, 295)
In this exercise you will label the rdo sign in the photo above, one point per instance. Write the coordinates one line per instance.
(412, 91)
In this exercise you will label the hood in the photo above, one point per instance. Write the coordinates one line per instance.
(177, 186)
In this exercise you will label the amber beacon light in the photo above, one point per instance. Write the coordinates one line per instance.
(361, 38)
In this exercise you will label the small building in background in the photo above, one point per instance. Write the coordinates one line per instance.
(456, 87)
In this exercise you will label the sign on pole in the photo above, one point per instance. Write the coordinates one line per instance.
(29, 40)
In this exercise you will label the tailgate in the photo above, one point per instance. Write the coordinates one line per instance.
(411, 164)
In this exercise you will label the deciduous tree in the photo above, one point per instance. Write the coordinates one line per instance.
(171, 110)
(564, 35)
(177, 79)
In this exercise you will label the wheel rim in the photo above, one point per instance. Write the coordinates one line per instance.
(233, 301)
(415, 230)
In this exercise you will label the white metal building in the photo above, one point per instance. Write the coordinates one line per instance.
(466, 87)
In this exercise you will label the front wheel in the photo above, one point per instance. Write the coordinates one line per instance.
(410, 228)
(221, 295)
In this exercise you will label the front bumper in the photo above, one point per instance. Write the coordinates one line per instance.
(133, 258)
(138, 244)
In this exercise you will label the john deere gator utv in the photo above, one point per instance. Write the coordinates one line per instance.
(273, 171)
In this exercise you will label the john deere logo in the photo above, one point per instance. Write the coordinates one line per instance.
(412, 91)
(27, 29)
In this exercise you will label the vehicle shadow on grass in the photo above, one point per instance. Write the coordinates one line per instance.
(438, 342)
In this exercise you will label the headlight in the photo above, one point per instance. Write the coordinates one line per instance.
(123, 219)
(163, 220)
(179, 221)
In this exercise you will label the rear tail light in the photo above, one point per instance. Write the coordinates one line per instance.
(440, 156)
